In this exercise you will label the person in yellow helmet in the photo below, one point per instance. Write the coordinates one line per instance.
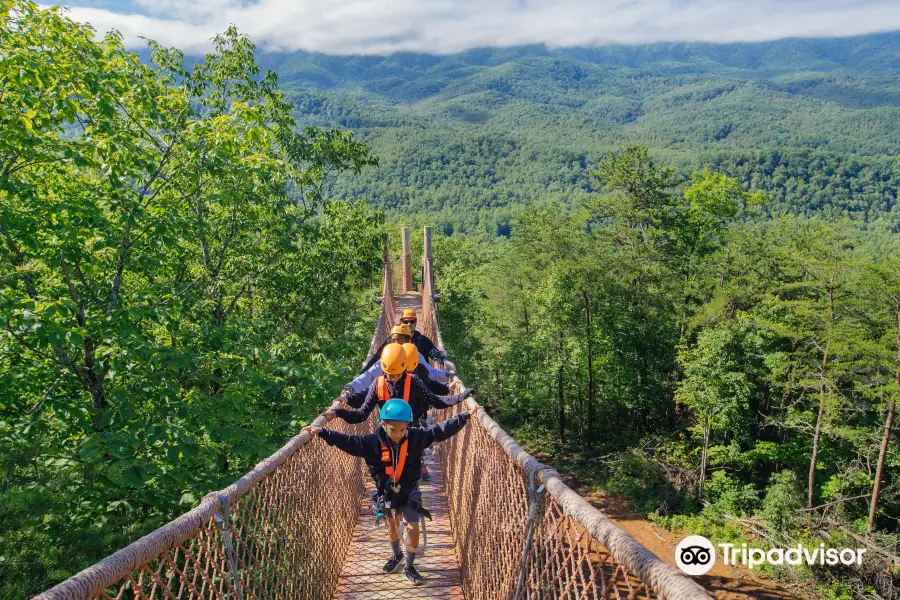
(415, 363)
(354, 393)
(401, 334)
(404, 332)
(422, 341)
(396, 382)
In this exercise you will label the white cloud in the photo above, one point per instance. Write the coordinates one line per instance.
(446, 26)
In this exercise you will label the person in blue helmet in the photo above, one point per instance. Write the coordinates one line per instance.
(397, 382)
(394, 457)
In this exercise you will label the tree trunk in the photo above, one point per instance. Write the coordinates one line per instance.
(94, 384)
(703, 458)
(811, 497)
(560, 396)
(885, 440)
(876, 488)
(590, 367)
(823, 390)
(562, 406)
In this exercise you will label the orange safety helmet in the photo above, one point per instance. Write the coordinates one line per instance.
(412, 356)
(401, 330)
(393, 359)
(408, 313)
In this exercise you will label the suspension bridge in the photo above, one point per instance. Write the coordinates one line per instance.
(297, 526)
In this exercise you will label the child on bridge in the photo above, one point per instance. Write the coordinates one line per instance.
(354, 393)
(394, 456)
(396, 382)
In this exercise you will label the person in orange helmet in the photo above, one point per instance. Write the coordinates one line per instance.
(354, 393)
(397, 382)
(408, 319)
(422, 341)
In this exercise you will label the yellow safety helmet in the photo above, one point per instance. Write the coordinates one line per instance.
(401, 330)
(393, 359)
(408, 313)
(412, 356)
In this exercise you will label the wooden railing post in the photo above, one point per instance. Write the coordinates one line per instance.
(426, 255)
(406, 262)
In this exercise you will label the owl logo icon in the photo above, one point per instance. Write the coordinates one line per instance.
(695, 555)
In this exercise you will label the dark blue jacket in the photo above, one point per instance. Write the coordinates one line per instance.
(422, 342)
(369, 446)
(420, 400)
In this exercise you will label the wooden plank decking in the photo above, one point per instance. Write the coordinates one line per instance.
(362, 578)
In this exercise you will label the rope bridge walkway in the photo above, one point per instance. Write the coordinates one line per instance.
(505, 526)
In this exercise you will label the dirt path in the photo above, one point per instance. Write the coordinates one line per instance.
(722, 582)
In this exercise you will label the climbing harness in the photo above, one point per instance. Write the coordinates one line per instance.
(395, 459)
(384, 394)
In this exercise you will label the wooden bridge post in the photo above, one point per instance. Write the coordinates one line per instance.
(427, 254)
(406, 263)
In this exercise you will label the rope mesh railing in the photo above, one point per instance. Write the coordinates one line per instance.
(522, 533)
(398, 276)
(282, 531)
(275, 528)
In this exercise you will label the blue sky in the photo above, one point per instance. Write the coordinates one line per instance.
(445, 26)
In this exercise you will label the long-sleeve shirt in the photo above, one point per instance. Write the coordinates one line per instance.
(364, 380)
(423, 343)
(369, 446)
(427, 347)
(420, 399)
(356, 399)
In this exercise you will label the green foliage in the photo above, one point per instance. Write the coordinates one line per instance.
(178, 294)
(735, 349)
(647, 491)
(469, 139)
(781, 502)
(731, 496)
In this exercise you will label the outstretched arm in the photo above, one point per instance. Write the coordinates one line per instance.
(364, 380)
(375, 356)
(434, 373)
(440, 401)
(447, 429)
(356, 399)
(351, 444)
(362, 413)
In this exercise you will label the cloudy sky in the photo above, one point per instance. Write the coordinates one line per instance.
(445, 26)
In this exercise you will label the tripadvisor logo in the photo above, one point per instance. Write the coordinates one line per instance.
(695, 555)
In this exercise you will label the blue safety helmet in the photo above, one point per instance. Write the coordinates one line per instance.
(396, 410)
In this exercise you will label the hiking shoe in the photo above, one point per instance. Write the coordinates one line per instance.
(392, 564)
(426, 476)
(413, 576)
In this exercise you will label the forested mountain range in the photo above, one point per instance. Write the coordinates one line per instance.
(467, 139)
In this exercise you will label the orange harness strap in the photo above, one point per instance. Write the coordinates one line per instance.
(384, 395)
(394, 474)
